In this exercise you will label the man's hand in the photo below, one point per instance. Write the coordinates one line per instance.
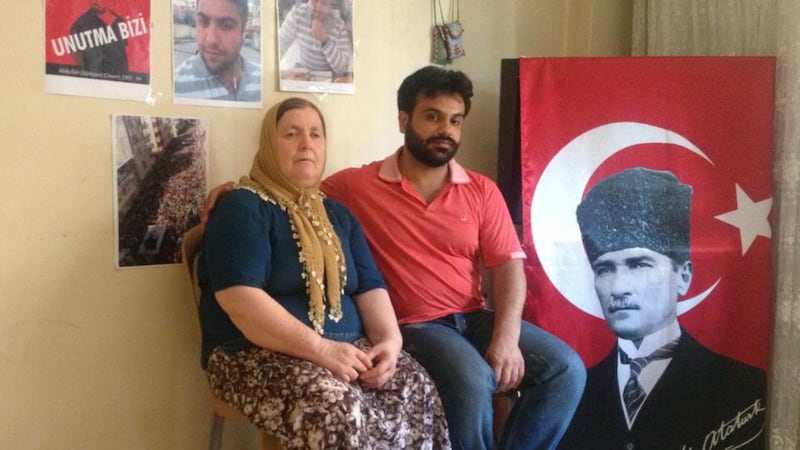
(212, 198)
(503, 354)
(508, 365)
(319, 14)
(318, 28)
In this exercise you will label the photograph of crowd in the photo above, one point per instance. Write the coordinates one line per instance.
(160, 184)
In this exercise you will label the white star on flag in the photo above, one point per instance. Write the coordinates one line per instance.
(749, 217)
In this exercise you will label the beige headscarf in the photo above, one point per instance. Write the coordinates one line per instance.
(324, 269)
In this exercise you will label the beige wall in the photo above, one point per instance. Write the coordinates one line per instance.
(97, 358)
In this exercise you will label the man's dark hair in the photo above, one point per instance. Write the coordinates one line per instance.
(241, 5)
(431, 81)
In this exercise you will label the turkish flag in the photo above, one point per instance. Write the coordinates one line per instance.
(709, 121)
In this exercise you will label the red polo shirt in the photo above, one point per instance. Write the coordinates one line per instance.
(430, 253)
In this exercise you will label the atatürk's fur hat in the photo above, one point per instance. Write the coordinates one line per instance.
(637, 208)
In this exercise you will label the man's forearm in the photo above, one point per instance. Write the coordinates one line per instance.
(508, 291)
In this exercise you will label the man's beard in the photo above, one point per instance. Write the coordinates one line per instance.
(431, 158)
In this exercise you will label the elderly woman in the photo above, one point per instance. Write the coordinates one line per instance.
(298, 329)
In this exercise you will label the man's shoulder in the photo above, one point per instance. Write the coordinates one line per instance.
(301, 8)
(477, 186)
(708, 361)
(343, 184)
(373, 166)
(350, 174)
(251, 68)
(476, 175)
(469, 176)
(191, 69)
(603, 371)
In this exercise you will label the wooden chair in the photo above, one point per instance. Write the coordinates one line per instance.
(501, 405)
(191, 245)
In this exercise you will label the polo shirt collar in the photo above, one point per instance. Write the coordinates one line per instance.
(390, 170)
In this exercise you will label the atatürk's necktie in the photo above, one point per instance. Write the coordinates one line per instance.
(633, 395)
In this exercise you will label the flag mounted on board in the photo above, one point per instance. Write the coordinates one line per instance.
(704, 123)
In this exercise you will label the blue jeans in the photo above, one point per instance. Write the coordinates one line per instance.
(452, 348)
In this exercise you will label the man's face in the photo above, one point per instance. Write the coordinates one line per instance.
(638, 290)
(320, 8)
(433, 131)
(220, 32)
(97, 5)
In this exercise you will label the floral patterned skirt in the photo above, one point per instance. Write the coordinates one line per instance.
(307, 407)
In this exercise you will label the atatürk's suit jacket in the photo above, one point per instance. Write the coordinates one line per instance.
(702, 401)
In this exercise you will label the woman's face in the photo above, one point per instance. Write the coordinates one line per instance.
(301, 146)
